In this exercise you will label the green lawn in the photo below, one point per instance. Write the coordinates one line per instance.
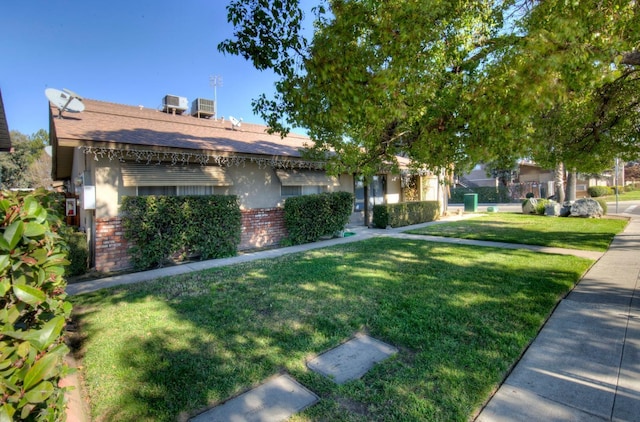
(460, 316)
(625, 196)
(572, 233)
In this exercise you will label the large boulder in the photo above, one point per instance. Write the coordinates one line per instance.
(529, 206)
(586, 207)
(565, 211)
(552, 209)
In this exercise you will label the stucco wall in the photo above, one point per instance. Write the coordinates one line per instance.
(255, 187)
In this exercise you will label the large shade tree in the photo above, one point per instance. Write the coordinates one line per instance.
(448, 82)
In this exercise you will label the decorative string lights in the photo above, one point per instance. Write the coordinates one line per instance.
(150, 157)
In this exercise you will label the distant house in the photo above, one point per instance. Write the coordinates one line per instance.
(530, 178)
(109, 151)
(5, 137)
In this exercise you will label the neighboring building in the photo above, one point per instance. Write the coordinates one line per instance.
(531, 178)
(5, 137)
(109, 151)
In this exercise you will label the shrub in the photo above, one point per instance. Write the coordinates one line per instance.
(34, 310)
(310, 217)
(541, 205)
(486, 194)
(529, 195)
(603, 204)
(77, 251)
(596, 191)
(405, 214)
(160, 227)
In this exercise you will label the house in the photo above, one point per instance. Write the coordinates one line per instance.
(109, 151)
(530, 178)
(5, 137)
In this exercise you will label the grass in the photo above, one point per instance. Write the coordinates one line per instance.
(461, 316)
(633, 195)
(571, 233)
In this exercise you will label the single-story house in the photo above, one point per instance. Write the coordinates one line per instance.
(530, 178)
(5, 137)
(109, 151)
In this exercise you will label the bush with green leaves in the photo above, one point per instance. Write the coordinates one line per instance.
(161, 227)
(603, 204)
(309, 217)
(77, 251)
(33, 310)
(486, 194)
(596, 191)
(405, 213)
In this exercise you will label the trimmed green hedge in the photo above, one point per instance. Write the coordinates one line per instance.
(405, 214)
(309, 217)
(486, 194)
(77, 251)
(164, 227)
(596, 191)
(33, 308)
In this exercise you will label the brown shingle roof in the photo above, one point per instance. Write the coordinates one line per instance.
(143, 127)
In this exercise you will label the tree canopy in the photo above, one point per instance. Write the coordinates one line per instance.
(26, 165)
(449, 82)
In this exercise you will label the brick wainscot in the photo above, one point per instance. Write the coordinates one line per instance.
(261, 228)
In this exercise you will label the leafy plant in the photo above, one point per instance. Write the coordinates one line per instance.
(77, 250)
(596, 191)
(405, 214)
(33, 309)
(310, 217)
(486, 194)
(160, 227)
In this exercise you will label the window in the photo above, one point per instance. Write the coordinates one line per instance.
(287, 191)
(174, 190)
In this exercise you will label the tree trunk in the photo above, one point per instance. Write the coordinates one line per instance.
(367, 219)
(558, 180)
(571, 185)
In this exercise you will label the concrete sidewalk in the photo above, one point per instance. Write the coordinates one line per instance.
(584, 365)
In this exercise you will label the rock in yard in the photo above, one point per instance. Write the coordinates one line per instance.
(552, 209)
(586, 207)
(529, 206)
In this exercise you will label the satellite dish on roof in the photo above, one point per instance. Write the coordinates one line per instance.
(235, 122)
(65, 100)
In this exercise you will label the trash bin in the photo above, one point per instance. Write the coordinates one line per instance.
(470, 202)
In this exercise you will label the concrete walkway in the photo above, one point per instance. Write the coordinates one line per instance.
(585, 363)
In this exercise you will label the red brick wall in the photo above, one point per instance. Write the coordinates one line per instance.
(262, 227)
(111, 246)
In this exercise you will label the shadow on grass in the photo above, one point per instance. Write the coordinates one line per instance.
(461, 316)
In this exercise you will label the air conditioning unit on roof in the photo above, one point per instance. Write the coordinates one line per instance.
(174, 104)
(202, 107)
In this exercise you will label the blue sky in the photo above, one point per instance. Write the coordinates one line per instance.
(129, 52)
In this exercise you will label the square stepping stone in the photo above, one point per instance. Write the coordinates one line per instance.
(351, 360)
(274, 401)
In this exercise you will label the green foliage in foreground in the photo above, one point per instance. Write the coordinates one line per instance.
(33, 310)
(460, 316)
(561, 232)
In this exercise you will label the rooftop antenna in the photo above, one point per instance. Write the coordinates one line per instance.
(215, 81)
(235, 123)
(65, 100)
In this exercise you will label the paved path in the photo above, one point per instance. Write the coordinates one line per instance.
(583, 366)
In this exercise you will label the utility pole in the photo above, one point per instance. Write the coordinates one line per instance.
(215, 81)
